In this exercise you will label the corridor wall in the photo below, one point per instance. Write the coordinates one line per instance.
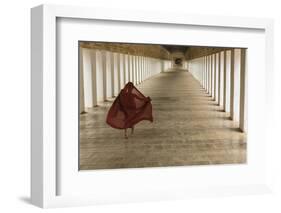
(155, 66)
(167, 65)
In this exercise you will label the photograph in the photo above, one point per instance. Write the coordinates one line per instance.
(161, 105)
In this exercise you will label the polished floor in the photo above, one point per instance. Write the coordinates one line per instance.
(189, 128)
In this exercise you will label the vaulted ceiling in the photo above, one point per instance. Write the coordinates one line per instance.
(153, 50)
(150, 50)
(175, 48)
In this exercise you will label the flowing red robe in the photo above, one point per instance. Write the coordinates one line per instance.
(129, 108)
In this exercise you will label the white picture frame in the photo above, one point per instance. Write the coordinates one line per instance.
(44, 155)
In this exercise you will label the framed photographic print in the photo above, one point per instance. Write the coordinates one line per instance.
(130, 106)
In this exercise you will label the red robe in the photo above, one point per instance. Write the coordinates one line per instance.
(129, 108)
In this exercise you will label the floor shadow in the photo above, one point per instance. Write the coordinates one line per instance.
(212, 103)
(209, 100)
(219, 110)
(227, 118)
(235, 130)
(207, 95)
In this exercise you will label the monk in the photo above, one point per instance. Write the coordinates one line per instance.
(129, 108)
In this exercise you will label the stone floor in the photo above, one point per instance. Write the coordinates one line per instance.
(189, 128)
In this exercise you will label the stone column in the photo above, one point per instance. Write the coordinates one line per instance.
(210, 75)
(139, 66)
(215, 77)
(243, 70)
(207, 74)
(219, 78)
(232, 85)
(104, 75)
(94, 77)
(142, 68)
(118, 71)
(149, 67)
(124, 69)
(138, 69)
(112, 73)
(81, 82)
(129, 68)
(133, 69)
(224, 80)
(146, 67)
(203, 73)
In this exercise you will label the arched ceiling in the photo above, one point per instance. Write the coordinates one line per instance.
(175, 48)
(154, 50)
(149, 50)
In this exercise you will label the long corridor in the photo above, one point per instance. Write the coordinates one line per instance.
(189, 128)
